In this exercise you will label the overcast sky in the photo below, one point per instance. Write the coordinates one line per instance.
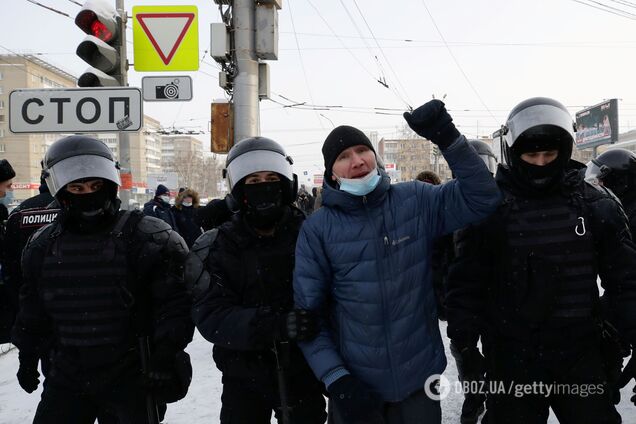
(484, 55)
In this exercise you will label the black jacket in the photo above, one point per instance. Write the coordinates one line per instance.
(23, 221)
(484, 293)
(250, 285)
(153, 289)
(159, 209)
(188, 228)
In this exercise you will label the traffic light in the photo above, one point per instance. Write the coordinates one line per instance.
(104, 46)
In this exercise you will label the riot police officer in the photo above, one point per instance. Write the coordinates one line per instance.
(96, 282)
(616, 170)
(241, 277)
(525, 279)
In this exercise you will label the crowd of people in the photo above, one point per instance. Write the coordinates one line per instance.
(325, 306)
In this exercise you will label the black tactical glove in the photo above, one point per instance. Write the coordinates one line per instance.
(432, 121)
(628, 373)
(298, 325)
(28, 372)
(354, 402)
(161, 368)
(470, 367)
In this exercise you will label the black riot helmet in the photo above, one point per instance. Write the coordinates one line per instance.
(614, 169)
(257, 154)
(534, 125)
(485, 153)
(76, 158)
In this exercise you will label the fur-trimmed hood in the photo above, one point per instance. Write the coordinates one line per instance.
(187, 193)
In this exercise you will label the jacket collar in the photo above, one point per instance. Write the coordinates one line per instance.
(335, 198)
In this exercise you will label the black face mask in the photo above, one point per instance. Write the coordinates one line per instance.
(91, 207)
(263, 204)
(540, 176)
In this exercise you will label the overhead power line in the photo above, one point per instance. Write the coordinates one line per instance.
(456, 61)
(388, 62)
(622, 13)
(302, 63)
(49, 8)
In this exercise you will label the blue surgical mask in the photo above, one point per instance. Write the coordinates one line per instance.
(360, 186)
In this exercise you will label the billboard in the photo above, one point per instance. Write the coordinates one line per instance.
(597, 125)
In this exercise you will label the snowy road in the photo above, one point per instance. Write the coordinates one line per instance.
(202, 405)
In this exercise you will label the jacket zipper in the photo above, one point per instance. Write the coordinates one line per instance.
(386, 321)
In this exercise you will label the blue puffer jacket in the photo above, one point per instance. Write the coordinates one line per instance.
(363, 263)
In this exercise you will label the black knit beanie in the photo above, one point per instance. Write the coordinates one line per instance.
(6, 171)
(339, 139)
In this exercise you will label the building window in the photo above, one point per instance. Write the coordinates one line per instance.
(1, 90)
(0, 75)
(2, 146)
(1, 118)
(1, 104)
(1, 133)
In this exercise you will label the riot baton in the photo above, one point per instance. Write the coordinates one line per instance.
(282, 384)
(151, 403)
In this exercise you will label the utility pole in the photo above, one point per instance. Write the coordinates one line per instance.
(124, 138)
(241, 47)
(246, 104)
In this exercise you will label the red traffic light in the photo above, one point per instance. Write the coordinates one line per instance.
(99, 19)
(99, 30)
(88, 21)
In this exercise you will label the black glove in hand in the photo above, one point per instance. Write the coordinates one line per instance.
(28, 372)
(355, 402)
(298, 325)
(432, 121)
(161, 369)
(628, 373)
(471, 364)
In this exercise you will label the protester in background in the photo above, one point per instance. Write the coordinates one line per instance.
(159, 207)
(6, 179)
(305, 201)
(317, 193)
(7, 300)
(185, 209)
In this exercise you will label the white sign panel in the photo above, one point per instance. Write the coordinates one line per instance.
(75, 110)
(169, 179)
(167, 89)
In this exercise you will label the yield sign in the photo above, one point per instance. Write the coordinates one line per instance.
(165, 38)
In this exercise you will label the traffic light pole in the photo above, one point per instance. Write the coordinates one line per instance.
(246, 106)
(124, 138)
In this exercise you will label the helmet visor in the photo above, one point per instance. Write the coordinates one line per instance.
(490, 161)
(78, 167)
(538, 115)
(258, 161)
(596, 172)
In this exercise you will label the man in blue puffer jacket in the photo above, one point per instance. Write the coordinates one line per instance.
(363, 261)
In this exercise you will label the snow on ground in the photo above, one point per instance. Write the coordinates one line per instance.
(203, 403)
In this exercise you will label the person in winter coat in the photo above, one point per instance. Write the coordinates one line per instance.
(32, 214)
(159, 207)
(615, 169)
(363, 262)
(185, 209)
(241, 277)
(100, 286)
(7, 298)
(525, 280)
(443, 251)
